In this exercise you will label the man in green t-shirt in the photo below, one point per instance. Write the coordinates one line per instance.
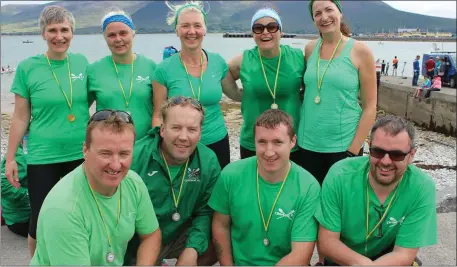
(91, 214)
(378, 210)
(179, 173)
(264, 205)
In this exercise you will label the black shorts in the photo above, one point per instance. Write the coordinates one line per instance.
(246, 153)
(42, 179)
(21, 229)
(222, 150)
(318, 163)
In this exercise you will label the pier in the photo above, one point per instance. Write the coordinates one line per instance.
(249, 35)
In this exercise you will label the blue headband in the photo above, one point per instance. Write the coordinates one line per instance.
(118, 18)
(266, 12)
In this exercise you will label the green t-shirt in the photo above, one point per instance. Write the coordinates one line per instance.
(15, 202)
(174, 171)
(71, 230)
(235, 194)
(330, 126)
(52, 138)
(103, 86)
(256, 96)
(410, 221)
(171, 74)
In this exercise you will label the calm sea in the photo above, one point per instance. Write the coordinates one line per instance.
(151, 45)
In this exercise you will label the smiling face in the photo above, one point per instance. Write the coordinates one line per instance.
(180, 132)
(385, 171)
(327, 16)
(119, 38)
(191, 29)
(58, 36)
(266, 40)
(108, 158)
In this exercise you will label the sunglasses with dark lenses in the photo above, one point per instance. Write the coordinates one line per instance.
(272, 27)
(106, 113)
(394, 155)
(180, 99)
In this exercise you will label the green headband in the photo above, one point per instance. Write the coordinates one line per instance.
(186, 6)
(310, 7)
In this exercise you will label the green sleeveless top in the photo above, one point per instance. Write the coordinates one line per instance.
(256, 96)
(330, 126)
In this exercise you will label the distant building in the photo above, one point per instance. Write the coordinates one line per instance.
(402, 30)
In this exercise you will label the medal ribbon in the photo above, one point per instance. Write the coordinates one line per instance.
(176, 200)
(100, 210)
(319, 81)
(266, 224)
(127, 101)
(69, 102)
(188, 78)
(369, 233)
(273, 93)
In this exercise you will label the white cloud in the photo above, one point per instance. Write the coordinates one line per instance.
(445, 9)
(3, 3)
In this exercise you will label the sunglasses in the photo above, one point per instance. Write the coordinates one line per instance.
(394, 155)
(106, 113)
(272, 27)
(175, 101)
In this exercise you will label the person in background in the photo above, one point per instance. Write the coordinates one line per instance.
(387, 69)
(416, 70)
(437, 65)
(378, 210)
(51, 88)
(430, 67)
(446, 67)
(425, 85)
(15, 201)
(383, 67)
(378, 67)
(189, 73)
(169, 51)
(436, 86)
(394, 66)
(271, 75)
(122, 80)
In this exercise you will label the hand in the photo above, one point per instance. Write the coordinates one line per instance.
(188, 257)
(12, 173)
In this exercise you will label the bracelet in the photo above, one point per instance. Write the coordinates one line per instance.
(350, 154)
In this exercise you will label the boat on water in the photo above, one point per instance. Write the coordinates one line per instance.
(10, 70)
(27, 42)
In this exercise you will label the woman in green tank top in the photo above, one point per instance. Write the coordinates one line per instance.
(333, 125)
(271, 75)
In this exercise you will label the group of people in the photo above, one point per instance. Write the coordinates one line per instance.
(436, 69)
(148, 176)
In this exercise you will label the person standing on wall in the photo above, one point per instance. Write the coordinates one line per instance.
(416, 70)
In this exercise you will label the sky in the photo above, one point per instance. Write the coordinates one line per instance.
(445, 9)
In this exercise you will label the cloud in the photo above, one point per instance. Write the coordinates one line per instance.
(445, 9)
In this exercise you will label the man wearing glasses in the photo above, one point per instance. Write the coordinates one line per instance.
(378, 210)
(90, 214)
(179, 173)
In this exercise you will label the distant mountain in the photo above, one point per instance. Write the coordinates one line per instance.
(225, 16)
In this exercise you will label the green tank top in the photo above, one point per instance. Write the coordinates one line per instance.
(330, 126)
(256, 96)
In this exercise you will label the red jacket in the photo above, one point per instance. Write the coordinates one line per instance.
(430, 64)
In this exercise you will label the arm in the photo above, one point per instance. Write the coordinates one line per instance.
(19, 125)
(297, 256)
(367, 76)
(230, 88)
(221, 238)
(331, 246)
(235, 67)
(149, 248)
(159, 97)
(398, 257)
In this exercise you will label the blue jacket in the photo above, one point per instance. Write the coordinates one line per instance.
(416, 66)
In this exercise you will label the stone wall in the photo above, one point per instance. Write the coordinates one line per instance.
(436, 114)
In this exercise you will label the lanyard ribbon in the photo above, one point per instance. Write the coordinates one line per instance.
(272, 92)
(127, 101)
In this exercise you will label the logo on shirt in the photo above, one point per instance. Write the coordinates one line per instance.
(140, 79)
(79, 77)
(132, 216)
(193, 175)
(152, 173)
(393, 222)
(281, 214)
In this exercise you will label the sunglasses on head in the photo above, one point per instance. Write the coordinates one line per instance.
(272, 27)
(394, 155)
(180, 99)
(106, 113)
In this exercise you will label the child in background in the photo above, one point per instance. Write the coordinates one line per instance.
(436, 86)
(425, 85)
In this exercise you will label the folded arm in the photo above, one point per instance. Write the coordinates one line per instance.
(221, 238)
(149, 248)
(300, 255)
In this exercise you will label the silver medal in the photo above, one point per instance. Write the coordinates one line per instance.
(274, 106)
(317, 99)
(266, 242)
(176, 217)
(110, 257)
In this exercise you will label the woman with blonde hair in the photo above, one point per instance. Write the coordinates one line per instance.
(122, 80)
(197, 73)
(51, 100)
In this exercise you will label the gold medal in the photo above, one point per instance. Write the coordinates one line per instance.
(317, 99)
(274, 106)
(71, 118)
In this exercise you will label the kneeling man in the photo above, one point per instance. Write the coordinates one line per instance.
(180, 174)
(91, 214)
(380, 209)
(264, 205)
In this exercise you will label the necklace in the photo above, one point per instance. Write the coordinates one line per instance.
(176, 216)
(272, 92)
(110, 256)
(70, 117)
(368, 232)
(188, 76)
(127, 101)
(266, 224)
(317, 99)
